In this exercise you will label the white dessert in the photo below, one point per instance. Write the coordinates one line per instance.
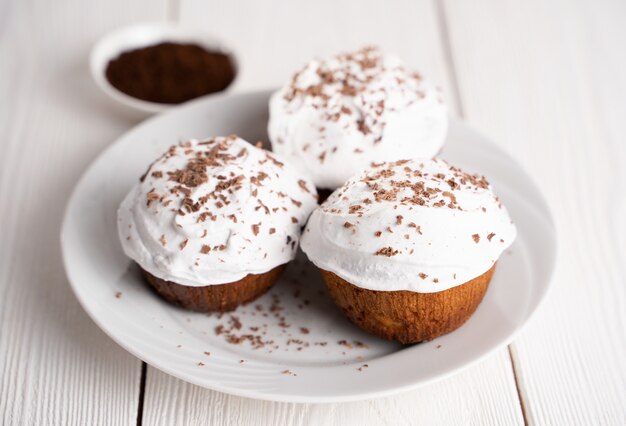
(419, 225)
(337, 116)
(213, 211)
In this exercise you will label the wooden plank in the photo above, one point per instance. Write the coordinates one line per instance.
(273, 39)
(484, 395)
(548, 81)
(56, 366)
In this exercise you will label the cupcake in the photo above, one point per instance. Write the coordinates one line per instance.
(407, 248)
(336, 116)
(213, 223)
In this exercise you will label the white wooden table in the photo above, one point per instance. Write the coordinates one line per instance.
(546, 80)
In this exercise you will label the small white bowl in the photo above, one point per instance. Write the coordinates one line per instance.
(142, 35)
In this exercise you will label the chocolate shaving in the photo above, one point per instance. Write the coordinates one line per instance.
(302, 185)
(386, 251)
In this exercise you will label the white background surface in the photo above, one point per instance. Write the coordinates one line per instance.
(546, 80)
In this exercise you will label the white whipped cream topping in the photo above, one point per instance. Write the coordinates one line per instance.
(337, 116)
(417, 225)
(211, 212)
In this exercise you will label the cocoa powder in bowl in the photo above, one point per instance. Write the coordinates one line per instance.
(170, 73)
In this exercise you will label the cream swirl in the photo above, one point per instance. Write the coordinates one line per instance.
(417, 225)
(337, 116)
(213, 211)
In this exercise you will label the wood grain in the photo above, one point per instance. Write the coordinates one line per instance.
(56, 366)
(547, 81)
(484, 394)
(274, 38)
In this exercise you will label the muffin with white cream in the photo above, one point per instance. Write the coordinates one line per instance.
(408, 248)
(212, 223)
(337, 116)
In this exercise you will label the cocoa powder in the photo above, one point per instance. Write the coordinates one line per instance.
(170, 73)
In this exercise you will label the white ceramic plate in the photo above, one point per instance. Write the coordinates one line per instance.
(327, 364)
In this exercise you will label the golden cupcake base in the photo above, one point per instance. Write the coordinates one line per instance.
(406, 316)
(215, 298)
